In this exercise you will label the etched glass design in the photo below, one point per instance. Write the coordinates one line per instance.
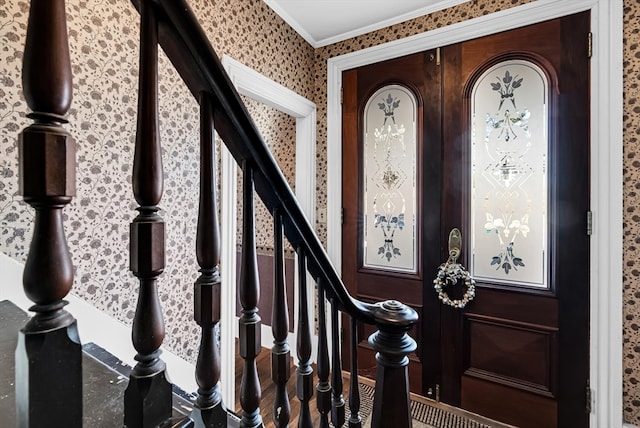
(509, 138)
(389, 180)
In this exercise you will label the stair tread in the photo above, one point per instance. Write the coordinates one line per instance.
(104, 377)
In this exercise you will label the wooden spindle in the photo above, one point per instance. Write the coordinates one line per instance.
(48, 356)
(355, 421)
(280, 353)
(210, 410)
(249, 323)
(304, 372)
(324, 387)
(148, 395)
(393, 344)
(337, 402)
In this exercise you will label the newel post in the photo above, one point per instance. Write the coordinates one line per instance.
(393, 344)
(48, 355)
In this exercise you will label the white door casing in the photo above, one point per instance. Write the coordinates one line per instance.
(254, 85)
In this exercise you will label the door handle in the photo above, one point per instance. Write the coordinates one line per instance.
(450, 272)
(455, 244)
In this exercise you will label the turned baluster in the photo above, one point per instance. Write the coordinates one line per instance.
(148, 395)
(354, 391)
(249, 322)
(304, 385)
(337, 402)
(210, 410)
(323, 398)
(393, 344)
(280, 353)
(48, 356)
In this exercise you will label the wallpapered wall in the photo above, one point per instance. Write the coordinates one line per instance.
(103, 36)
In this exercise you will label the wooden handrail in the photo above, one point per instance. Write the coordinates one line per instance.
(190, 52)
(188, 48)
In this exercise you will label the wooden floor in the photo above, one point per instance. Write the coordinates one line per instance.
(263, 363)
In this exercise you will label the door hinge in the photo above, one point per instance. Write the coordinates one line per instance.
(590, 400)
(589, 44)
(437, 56)
(589, 223)
(342, 215)
(341, 95)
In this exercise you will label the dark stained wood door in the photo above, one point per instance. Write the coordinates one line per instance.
(419, 76)
(518, 352)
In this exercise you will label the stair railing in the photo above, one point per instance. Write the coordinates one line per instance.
(50, 389)
(186, 45)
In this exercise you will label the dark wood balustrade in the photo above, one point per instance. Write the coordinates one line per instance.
(48, 356)
(280, 353)
(250, 322)
(148, 395)
(209, 409)
(48, 274)
(304, 372)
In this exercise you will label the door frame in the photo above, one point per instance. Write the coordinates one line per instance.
(605, 345)
(256, 86)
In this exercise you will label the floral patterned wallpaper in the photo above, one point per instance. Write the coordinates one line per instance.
(103, 38)
(631, 207)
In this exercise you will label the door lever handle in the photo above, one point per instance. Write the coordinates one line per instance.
(455, 244)
(450, 272)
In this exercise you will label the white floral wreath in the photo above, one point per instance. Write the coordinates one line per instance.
(450, 273)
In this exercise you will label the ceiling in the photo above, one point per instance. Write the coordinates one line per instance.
(323, 22)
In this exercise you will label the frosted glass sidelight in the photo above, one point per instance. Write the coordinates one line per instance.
(509, 150)
(389, 180)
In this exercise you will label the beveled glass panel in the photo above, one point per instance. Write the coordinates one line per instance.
(509, 175)
(389, 180)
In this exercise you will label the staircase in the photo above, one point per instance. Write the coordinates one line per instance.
(49, 358)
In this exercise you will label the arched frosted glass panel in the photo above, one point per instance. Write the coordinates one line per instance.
(509, 175)
(389, 192)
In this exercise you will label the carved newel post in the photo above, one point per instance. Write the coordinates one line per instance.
(48, 355)
(393, 344)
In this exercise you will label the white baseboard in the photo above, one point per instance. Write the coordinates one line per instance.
(95, 326)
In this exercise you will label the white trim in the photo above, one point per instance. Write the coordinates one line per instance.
(258, 87)
(606, 195)
(299, 28)
(606, 167)
(228, 328)
(95, 326)
(293, 23)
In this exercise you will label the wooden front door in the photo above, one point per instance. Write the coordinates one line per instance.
(497, 129)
